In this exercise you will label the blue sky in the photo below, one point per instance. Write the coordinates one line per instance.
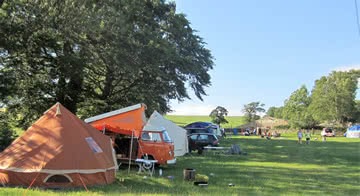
(265, 50)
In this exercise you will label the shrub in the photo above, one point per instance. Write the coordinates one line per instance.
(201, 178)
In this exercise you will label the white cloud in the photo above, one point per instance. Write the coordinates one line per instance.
(192, 109)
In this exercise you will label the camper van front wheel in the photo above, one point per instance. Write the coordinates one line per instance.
(148, 166)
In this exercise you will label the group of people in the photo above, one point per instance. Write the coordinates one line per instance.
(268, 135)
(301, 135)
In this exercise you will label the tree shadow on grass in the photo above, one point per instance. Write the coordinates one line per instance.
(280, 166)
(275, 167)
(289, 151)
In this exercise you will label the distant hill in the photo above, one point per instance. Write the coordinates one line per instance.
(234, 121)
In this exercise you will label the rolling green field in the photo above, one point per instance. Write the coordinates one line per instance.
(234, 121)
(272, 167)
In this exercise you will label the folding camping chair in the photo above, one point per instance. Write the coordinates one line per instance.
(146, 166)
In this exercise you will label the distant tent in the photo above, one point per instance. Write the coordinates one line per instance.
(59, 150)
(176, 133)
(266, 122)
(353, 132)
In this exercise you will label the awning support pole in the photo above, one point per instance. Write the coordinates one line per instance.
(131, 145)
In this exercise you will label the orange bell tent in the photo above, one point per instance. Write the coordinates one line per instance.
(59, 150)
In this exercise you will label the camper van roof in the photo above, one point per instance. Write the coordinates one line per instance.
(113, 113)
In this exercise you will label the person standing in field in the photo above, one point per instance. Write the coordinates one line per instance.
(260, 134)
(300, 135)
(308, 136)
(323, 134)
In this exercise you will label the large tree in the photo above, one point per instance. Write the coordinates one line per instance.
(271, 111)
(96, 56)
(356, 118)
(218, 115)
(276, 112)
(250, 110)
(296, 109)
(333, 97)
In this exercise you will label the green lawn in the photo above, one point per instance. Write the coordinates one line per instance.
(234, 121)
(275, 167)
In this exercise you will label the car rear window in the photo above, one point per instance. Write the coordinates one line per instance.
(203, 137)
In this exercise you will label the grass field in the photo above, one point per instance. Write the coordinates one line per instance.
(276, 167)
(234, 121)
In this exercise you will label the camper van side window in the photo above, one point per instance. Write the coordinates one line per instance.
(154, 137)
(145, 136)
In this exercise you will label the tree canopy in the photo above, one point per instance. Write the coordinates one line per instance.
(296, 109)
(332, 101)
(333, 97)
(276, 112)
(218, 115)
(97, 56)
(250, 110)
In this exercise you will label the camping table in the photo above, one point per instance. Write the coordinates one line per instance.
(143, 169)
(214, 148)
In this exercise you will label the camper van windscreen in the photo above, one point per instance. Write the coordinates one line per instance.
(166, 137)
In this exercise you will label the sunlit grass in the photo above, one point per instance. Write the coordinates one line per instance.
(278, 166)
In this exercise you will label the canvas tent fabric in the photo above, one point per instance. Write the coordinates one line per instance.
(152, 127)
(176, 133)
(123, 121)
(353, 132)
(59, 150)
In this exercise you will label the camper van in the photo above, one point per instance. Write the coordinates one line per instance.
(132, 138)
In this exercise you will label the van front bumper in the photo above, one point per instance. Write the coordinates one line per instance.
(170, 162)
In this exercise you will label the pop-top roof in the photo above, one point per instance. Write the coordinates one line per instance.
(128, 121)
(113, 113)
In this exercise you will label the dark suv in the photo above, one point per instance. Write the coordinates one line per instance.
(200, 127)
(199, 130)
(198, 141)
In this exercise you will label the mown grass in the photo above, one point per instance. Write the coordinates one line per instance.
(272, 167)
(234, 121)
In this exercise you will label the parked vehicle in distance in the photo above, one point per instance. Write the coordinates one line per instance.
(199, 130)
(328, 132)
(203, 127)
(198, 141)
